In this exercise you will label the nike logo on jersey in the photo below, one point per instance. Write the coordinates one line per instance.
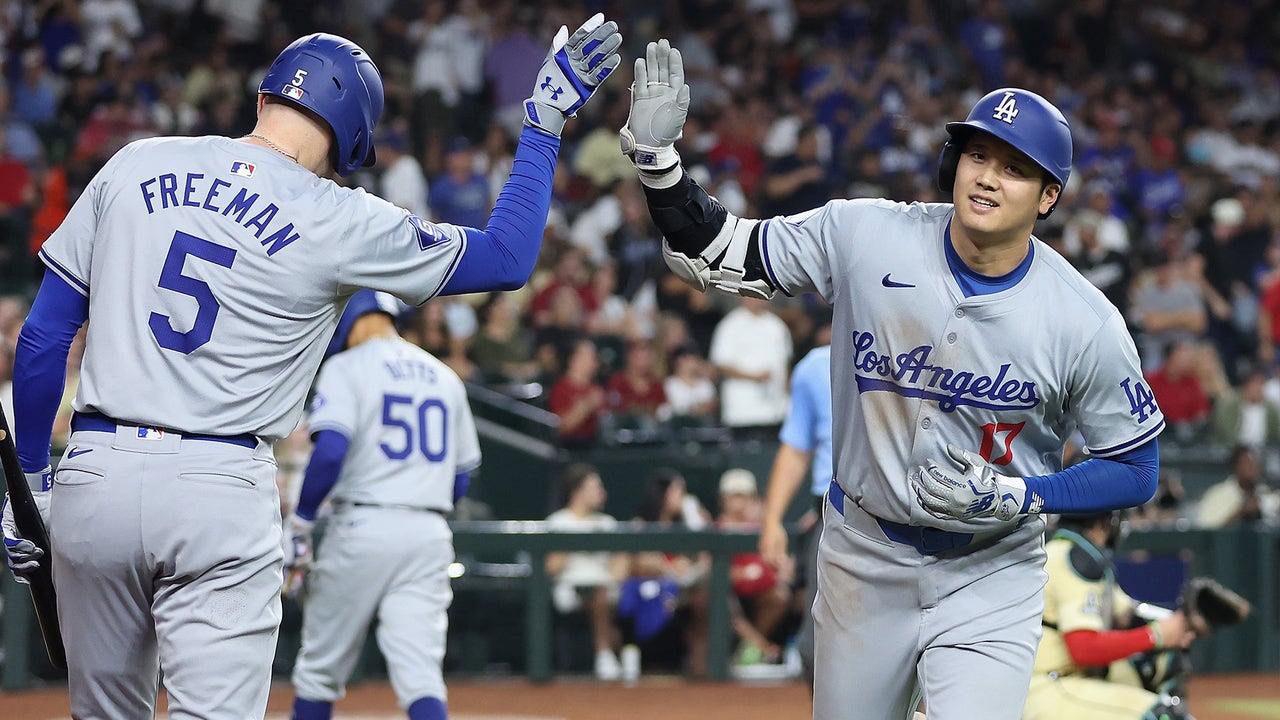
(910, 374)
(78, 452)
(885, 281)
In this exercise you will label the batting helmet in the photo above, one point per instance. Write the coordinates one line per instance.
(335, 79)
(1021, 118)
(360, 304)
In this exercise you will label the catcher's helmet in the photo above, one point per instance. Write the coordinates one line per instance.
(335, 79)
(360, 304)
(1021, 118)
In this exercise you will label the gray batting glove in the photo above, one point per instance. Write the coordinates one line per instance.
(572, 71)
(296, 544)
(975, 491)
(659, 107)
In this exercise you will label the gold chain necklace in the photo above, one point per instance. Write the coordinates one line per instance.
(273, 146)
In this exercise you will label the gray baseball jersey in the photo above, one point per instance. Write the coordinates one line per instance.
(410, 430)
(160, 232)
(408, 420)
(916, 364)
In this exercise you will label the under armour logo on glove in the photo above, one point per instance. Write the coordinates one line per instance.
(555, 91)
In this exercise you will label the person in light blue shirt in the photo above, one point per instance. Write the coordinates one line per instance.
(806, 446)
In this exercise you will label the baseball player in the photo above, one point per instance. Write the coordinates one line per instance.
(213, 271)
(964, 353)
(1091, 630)
(394, 446)
(804, 446)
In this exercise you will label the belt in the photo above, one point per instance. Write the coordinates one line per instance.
(397, 506)
(97, 422)
(927, 540)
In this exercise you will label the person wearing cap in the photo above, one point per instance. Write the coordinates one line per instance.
(403, 183)
(761, 591)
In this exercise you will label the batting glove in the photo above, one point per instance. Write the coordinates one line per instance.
(22, 555)
(297, 553)
(571, 72)
(976, 491)
(659, 107)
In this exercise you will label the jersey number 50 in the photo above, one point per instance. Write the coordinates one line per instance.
(430, 432)
(172, 278)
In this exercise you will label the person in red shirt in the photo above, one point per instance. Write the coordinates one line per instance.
(577, 398)
(570, 271)
(1178, 390)
(635, 392)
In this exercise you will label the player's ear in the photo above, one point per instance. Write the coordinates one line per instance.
(1049, 197)
(262, 100)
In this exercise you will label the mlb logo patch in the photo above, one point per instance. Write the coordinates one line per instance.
(292, 91)
(150, 433)
(243, 169)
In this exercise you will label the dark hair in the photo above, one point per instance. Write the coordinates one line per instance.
(575, 476)
(655, 493)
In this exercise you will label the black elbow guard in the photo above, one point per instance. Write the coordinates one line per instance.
(687, 216)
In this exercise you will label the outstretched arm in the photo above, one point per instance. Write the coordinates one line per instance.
(703, 243)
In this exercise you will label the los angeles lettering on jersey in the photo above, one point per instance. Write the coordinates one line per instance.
(211, 196)
(913, 376)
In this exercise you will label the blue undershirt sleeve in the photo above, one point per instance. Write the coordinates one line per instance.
(502, 256)
(1100, 484)
(40, 366)
(461, 482)
(330, 448)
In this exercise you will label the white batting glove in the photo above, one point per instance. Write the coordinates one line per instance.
(22, 555)
(659, 107)
(297, 553)
(571, 73)
(976, 491)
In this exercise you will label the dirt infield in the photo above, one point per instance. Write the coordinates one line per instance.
(1213, 697)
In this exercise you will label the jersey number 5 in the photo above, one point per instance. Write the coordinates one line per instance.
(430, 431)
(172, 278)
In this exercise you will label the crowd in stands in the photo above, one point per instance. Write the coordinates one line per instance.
(1173, 208)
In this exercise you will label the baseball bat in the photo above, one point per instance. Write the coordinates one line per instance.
(27, 517)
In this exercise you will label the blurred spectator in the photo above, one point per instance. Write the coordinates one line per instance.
(588, 580)
(1157, 186)
(1105, 268)
(1242, 416)
(509, 65)
(171, 114)
(1269, 322)
(17, 202)
(663, 603)
(436, 91)
(501, 348)
(35, 93)
(1243, 497)
(572, 272)
(564, 326)
(403, 182)
(577, 398)
(690, 393)
(110, 27)
(751, 350)
(460, 194)
(1233, 249)
(613, 315)
(1165, 507)
(635, 392)
(21, 140)
(1111, 231)
(1168, 308)
(1178, 390)
(798, 181)
(761, 595)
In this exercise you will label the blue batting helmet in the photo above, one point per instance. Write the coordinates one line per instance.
(362, 303)
(335, 79)
(1021, 118)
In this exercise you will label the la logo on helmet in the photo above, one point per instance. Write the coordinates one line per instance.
(1007, 110)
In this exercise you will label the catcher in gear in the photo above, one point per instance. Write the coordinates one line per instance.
(1104, 655)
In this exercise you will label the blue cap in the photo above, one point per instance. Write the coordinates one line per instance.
(360, 304)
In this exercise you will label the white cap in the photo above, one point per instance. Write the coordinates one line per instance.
(1228, 211)
(738, 481)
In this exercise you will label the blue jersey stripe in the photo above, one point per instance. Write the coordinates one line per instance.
(81, 286)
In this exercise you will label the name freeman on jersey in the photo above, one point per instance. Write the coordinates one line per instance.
(198, 193)
(913, 376)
